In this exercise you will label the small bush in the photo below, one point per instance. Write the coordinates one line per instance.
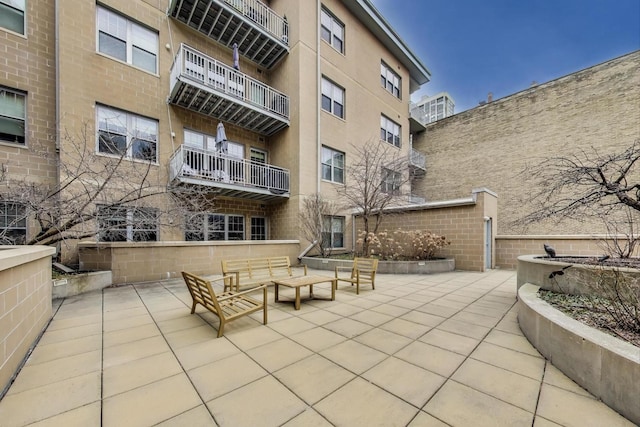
(401, 245)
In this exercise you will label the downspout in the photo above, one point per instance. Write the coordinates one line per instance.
(318, 95)
(57, 73)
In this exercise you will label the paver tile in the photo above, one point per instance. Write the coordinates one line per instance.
(354, 356)
(308, 418)
(278, 354)
(409, 382)
(385, 341)
(450, 341)
(205, 352)
(514, 361)
(127, 376)
(271, 404)
(406, 328)
(571, 409)
(196, 417)
(347, 327)
(362, 403)
(47, 352)
(515, 342)
(434, 359)
(318, 339)
(555, 377)
(459, 405)
(313, 378)
(87, 415)
(150, 404)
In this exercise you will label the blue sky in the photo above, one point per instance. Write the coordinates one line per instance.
(474, 47)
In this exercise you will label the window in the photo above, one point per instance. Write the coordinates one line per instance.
(332, 30)
(332, 98)
(389, 131)
(12, 116)
(12, 15)
(258, 228)
(126, 134)
(333, 231)
(391, 181)
(390, 80)
(126, 40)
(332, 165)
(13, 223)
(205, 227)
(127, 224)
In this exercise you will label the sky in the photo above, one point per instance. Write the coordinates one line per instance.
(473, 47)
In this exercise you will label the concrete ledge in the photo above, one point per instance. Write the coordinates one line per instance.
(607, 367)
(386, 267)
(535, 269)
(81, 283)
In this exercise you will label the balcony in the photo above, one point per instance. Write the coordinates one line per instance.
(229, 176)
(418, 161)
(202, 84)
(262, 35)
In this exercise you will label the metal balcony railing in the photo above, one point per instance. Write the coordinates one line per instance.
(260, 34)
(208, 86)
(263, 16)
(418, 159)
(221, 170)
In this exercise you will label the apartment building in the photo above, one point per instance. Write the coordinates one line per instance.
(431, 108)
(251, 105)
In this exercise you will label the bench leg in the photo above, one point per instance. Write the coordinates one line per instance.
(264, 305)
(193, 307)
(297, 303)
(334, 285)
(221, 328)
(275, 293)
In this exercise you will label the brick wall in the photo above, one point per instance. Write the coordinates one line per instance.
(489, 146)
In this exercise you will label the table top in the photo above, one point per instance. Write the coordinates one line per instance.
(303, 280)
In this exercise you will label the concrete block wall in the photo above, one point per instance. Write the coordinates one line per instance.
(25, 303)
(147, 261)
(462, 223)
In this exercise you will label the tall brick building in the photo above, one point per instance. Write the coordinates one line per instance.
(152, 81)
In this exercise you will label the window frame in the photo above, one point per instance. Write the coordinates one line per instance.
(390, 186)
(334, 89)
(23, 30)
(261, 230)
(331, 32)
(396, 87)
(329, 237)
(134, 34)
(389, 136)
(11, 222)
(133, 137)
(330, 163)
(12, 118)
(207, 226)
(125, 218)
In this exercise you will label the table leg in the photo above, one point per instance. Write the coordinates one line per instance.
(275, 292)
(310, 291)
(334, 285)
(297, 303)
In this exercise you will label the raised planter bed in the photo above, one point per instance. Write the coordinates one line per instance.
(606, 366)
(386, 267)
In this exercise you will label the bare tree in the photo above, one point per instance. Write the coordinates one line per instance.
(601, 186)
(109, 193)
(590, 184)
(375, 181)
(315, 209)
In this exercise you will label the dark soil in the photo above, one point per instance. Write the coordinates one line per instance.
(582, 308)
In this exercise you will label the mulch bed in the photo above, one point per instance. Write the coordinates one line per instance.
(582, 307)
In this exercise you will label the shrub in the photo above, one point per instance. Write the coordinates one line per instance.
(401, 245)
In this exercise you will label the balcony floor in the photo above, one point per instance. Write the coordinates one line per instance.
(440, 349)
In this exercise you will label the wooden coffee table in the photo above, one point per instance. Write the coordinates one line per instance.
(298, 282)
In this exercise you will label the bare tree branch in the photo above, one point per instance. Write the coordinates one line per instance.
(375, 181)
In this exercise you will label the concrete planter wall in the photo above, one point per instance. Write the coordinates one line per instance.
(386, 267)
(607, 367)
(80, 283)
(536, 270)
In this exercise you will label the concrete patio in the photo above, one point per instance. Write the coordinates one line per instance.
(420, 350)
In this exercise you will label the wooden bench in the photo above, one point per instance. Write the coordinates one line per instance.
(257, 271)
(227, 306)
(363, 271)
